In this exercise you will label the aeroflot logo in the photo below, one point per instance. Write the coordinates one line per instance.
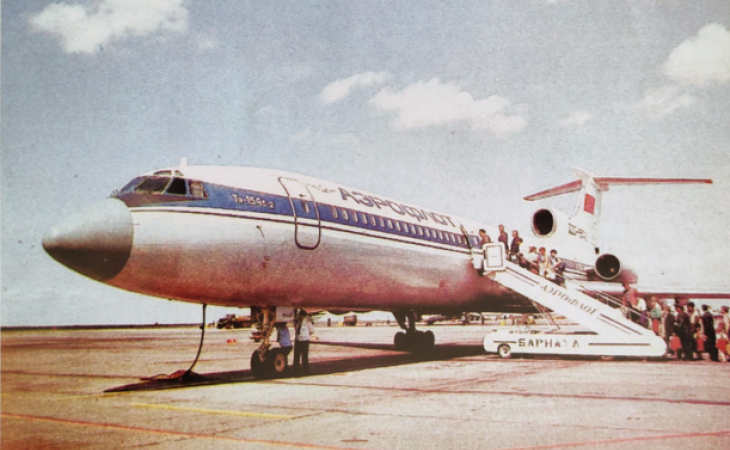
(552, 290)
(419, 214)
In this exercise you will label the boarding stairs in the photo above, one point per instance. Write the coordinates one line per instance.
(615, 335)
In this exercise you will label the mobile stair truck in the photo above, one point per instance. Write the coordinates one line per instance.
(609, 334)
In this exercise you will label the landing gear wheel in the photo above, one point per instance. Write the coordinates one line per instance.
(504, 351)
(258, 367)
(428, 340)
(400, 341)
(279, 362)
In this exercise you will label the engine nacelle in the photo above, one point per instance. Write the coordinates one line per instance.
(547, 222)
(608, 268)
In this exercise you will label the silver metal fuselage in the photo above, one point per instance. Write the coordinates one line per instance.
(263, 238)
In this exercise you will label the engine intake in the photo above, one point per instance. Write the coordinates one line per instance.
(608, 267)
(547, 222)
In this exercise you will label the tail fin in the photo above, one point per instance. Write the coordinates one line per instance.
(586, 214)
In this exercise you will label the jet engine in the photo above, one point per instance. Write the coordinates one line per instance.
(608, 268)
(547, 222)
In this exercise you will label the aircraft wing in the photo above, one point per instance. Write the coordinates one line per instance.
(660, 292)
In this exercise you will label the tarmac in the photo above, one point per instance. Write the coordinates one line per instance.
(83, 389)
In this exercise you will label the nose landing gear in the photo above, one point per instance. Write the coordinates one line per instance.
(265, 361)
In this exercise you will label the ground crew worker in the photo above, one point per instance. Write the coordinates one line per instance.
(304, 331)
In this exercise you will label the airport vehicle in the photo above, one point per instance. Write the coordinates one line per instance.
(350, 320)
(507, 342)
(267, 239)
(233, 321)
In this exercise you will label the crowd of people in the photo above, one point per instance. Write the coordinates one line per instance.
(689, 333)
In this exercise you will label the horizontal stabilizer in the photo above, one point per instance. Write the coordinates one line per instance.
(602, 183)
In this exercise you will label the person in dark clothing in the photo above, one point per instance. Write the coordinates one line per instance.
(683, 329)
(514, 247)
(669, 319)
(503, 237)
(484, 238)
(708, 329)
(695, 329)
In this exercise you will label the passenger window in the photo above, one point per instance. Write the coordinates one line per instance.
(177, 187)
(389, 223)
(354, 217)
(397, 225)
(197, 190)
(441, 235)
(420, 230)
(345, 215)
(334, 213)
(425, 230)
(413, 229)
(305, 206)
(364, 218)
(373, 221)
(153, 184)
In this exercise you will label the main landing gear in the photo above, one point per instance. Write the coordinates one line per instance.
(265, 361)
(412, 340)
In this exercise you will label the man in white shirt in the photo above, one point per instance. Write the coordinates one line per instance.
(304, 331)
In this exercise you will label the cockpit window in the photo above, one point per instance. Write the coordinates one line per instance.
(157, 184)
(177, 187)
(163, 173)
(153, 184)
(197, 190)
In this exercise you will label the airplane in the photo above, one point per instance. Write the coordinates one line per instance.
(274, 240)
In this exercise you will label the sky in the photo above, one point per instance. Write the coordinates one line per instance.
(463, 107)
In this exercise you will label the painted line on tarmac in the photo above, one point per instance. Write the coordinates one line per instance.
(449, 389)
(621, 440)
(174, 433)
(213, 411)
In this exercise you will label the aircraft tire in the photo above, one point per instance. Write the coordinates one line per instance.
(400, 341)
(429, 339)
(279, 362)
(504, 351)
(258, 367)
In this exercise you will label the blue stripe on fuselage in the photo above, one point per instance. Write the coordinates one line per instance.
(243, 200)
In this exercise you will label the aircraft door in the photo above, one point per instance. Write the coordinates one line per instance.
(307, 232)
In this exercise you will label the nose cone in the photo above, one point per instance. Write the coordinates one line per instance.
(95, 241)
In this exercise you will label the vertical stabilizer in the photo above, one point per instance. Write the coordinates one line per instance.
(586, 215)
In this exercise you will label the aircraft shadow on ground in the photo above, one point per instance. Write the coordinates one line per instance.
(327, 367)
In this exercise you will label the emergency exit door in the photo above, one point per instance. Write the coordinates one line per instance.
(307, 232)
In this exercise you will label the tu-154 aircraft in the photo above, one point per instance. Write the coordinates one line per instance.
(268, 239)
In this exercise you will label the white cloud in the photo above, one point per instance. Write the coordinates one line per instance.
(703, 59)
(339, 89)
(84, 29)
(576, 119)
(307, 136)
(425, 104)
(206, 41)
(660, 102)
